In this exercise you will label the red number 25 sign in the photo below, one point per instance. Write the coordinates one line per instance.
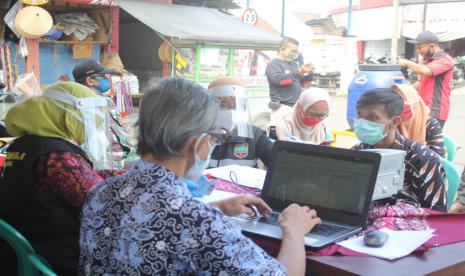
(250, 17)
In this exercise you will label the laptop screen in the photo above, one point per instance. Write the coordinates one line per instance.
(324, 178)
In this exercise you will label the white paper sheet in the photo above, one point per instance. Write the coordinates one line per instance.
(245, 176)
(216, 195)
(399, 244)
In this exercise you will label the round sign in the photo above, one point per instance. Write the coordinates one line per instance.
(250, 17)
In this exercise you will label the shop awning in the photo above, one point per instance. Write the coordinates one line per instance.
(446, 20)
(187, 24)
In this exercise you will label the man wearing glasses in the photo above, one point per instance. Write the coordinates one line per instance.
(245, 143)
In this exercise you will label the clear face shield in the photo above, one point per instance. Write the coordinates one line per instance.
(93, 114)
(234, 109)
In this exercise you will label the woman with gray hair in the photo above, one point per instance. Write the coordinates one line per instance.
(147, 222)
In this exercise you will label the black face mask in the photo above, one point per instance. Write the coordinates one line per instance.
(430, 53)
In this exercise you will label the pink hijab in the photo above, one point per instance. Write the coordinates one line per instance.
(291, 124)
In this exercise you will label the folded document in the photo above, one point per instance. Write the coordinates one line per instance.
(399, 244)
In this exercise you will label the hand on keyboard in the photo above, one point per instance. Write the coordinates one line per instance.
(243, 205)
(298, 220)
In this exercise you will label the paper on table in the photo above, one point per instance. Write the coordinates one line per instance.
(399, 244)
(216, 195)
(245, 176)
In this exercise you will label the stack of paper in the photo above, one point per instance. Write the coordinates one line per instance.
(399, 244)
(242, 175)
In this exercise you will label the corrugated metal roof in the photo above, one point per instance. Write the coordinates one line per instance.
(195, 24)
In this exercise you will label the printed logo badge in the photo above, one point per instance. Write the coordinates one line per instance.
(241, 150)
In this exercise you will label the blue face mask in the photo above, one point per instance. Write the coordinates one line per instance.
(103, 84)
(369, 132)
(199, 166)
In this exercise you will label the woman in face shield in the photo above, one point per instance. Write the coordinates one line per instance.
(147, 222)
(247, 143)
(305, 122)
(47, 173)
(416, 123)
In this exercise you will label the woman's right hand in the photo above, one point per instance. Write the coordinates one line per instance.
(298, 220)
(457, 207)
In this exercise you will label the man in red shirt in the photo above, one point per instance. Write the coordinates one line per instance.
(435, 73)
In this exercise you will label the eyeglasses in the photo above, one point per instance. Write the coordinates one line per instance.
(317, 115)
(227, 102)
(312, 114)
(218, 136)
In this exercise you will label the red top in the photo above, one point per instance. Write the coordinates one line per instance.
(435, 90)
(68, 177)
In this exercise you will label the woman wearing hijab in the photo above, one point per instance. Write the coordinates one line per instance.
(416, 123)
(47, 172)
(305, 121)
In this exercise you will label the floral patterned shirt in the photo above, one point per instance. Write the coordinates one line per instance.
(147, 222)
(67, 176)
(424, 174)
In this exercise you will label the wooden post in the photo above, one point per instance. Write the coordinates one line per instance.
(33, 58)
(114, 48)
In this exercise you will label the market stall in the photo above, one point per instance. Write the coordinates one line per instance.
(197, 43)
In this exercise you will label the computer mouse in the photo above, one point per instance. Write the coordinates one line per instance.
(375, 238)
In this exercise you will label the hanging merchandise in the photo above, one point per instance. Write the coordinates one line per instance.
(22, 50)
(6, 59)
(10, 17)
(164, 52)
(33, 22)
(28, 85)
(34, 2)
(2, 72)
(122, 92)
(78, 24)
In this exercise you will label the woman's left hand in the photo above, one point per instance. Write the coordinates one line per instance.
(243, 205)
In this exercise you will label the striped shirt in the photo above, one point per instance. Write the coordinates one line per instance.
(424, 174)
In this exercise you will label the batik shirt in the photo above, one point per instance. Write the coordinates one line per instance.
(434, 138)
(147, 222)
(424, 175)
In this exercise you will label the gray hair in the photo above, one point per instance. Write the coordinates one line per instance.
(171, 112)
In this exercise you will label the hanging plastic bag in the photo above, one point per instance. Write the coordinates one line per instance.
(22, 51)
(10, 17)
(27, 84)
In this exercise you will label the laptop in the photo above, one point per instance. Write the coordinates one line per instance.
(337, 183)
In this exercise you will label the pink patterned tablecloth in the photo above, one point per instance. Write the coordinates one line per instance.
(450, 228)
(227, 186)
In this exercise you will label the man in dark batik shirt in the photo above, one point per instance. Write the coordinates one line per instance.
(378, 115)
(434, 138)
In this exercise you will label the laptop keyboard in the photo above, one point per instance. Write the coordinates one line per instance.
(324, 230)
(272, 218)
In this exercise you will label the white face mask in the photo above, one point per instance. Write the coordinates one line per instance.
(226, 119)
(199, 165)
